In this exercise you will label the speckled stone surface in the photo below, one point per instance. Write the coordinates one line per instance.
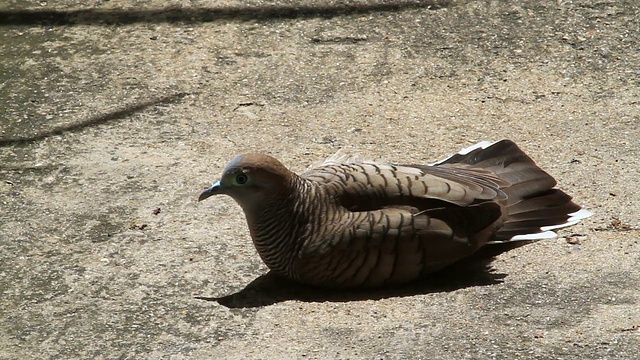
(114, 116)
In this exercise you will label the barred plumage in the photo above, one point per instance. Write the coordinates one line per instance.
(356, 223)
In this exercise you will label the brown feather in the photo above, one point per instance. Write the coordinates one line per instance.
(355, 223)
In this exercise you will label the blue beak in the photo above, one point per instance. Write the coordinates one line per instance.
(213, 190)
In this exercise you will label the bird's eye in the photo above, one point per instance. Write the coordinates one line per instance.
(242, 179)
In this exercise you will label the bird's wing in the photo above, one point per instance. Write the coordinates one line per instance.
(370, 185)
(399, 221)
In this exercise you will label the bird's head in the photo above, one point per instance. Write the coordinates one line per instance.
(251, 180)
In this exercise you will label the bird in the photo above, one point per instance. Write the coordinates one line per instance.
(354, 223)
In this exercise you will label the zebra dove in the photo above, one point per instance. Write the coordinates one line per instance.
(356, 223)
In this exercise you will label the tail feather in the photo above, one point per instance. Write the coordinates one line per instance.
(533, 207)
(553, 198)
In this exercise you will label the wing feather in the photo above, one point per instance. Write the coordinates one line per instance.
(372, 185)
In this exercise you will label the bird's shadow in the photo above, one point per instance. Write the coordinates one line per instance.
(271, 289)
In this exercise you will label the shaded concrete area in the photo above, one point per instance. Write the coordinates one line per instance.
(113, 118)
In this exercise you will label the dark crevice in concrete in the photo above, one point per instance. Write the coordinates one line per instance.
(202, 15)
(98, 120)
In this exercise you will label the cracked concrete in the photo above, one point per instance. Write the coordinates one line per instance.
(114, 117)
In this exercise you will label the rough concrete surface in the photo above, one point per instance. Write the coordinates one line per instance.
(115, 115)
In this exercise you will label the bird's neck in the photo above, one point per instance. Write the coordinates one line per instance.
(278, 225)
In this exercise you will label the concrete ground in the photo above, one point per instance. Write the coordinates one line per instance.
(114, 116)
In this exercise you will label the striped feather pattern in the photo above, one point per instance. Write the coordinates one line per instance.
(351, 222)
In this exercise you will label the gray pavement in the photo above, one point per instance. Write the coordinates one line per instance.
(114, 116)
